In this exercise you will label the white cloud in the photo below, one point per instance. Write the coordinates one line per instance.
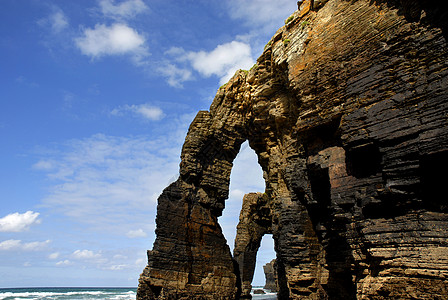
(117, 39)
(54, 255)
(58, 21)
(136, 233)
(17, 222)
(10, 244)
(27, 264)
(103, 180)
(223, 61)
(237, 194)
(175, 75)
(117, 267)
(35, 246)
(85, 254)
(19, 245)
(146, 111)
(125, 9)
(64, 263)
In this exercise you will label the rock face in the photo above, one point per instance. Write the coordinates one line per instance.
(347, 110)
(254, 223)
(270, 272)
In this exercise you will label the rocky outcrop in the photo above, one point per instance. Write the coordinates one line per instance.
(347, 110)
(270, 272)
(254, 223)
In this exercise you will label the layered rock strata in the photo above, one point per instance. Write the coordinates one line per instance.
(254, 223)
(270, 272)
(347, 110)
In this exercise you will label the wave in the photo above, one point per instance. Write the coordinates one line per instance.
(61, 294)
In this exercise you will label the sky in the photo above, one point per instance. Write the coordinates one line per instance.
(96, 97)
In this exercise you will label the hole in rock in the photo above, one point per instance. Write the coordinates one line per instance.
(320, 186)
(246, 177)
(363, 161)
(432, 169)
(265, 255)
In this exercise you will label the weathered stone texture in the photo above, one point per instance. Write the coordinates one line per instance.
(270, 272)
(254, 223)
(347, 110)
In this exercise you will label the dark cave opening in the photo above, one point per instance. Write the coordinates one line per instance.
(432, 180)
(331, 235)
(320, 186)
(363, 160)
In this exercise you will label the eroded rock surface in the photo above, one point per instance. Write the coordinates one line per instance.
(347, 110)
(270, 272)
(254, 223)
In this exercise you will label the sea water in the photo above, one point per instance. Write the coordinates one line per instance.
(87, 294)
(267, 296)
(68, 293)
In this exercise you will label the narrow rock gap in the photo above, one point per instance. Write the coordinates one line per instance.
(246, 177)
(266, 254)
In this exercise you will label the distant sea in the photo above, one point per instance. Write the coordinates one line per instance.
(86, 294)
(68, 293)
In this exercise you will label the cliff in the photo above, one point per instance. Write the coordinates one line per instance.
(347, 110)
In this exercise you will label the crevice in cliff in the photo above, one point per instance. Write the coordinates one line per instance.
(433, 193)
(322, 136)
(331, 236)
(363, 160)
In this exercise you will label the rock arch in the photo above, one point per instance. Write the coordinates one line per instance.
(346, 109)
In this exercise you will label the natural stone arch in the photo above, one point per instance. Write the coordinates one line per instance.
(190, 257)
(345, 80)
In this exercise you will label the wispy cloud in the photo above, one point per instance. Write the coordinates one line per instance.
(117, 39)
(85, 255)
(262, 16)
(175, 75)
(17, 222)
(125, 9)
(136, 233)
(54, 255)
(57, 21)
(102, 180)
(18, 245)
(146, 111)
(64, 263)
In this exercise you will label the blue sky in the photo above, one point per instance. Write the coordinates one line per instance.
(96, 99)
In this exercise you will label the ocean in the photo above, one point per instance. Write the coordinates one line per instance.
(85, 294)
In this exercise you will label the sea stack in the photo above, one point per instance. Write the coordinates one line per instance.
(347, 111)
(270, 272)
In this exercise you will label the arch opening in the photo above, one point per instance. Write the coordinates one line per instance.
(246, 176)
(266, 255)
(248, 206)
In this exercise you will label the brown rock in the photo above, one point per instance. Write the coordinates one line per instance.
(347, 111)
(270, 272)
(255, 221)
